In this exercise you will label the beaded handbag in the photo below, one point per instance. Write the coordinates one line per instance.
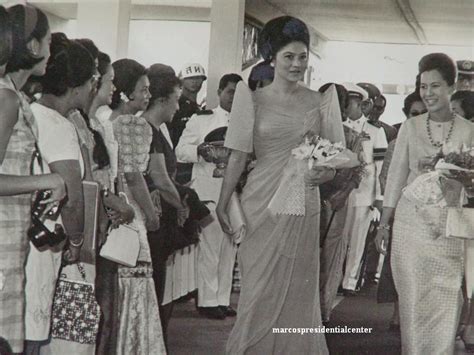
(76, 313)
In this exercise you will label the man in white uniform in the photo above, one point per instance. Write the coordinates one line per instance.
(363, 200)
(216, 251)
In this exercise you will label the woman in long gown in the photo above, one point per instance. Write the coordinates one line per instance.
(139, 330)
(279, 256)
(427, 267)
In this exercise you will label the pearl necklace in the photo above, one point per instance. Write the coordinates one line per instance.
(430, 136)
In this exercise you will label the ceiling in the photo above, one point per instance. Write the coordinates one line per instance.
(434, 22)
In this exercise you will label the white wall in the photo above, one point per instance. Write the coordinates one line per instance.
(174, 43)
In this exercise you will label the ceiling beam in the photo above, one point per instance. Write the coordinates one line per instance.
(411, 20)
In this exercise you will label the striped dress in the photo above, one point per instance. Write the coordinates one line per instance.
(14, 221)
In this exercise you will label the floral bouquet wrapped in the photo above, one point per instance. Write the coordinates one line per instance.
(318, 151)
(312, 152)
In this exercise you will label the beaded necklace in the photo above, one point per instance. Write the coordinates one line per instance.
(430, 136)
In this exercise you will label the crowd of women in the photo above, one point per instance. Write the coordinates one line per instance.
(72, 123)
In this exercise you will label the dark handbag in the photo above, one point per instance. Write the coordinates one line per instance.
(75, 313)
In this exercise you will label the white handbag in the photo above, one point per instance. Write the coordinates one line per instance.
(460, 223)
(122, 245)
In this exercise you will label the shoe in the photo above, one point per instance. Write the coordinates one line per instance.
(349, 293)
(228, 311)
(212, 312)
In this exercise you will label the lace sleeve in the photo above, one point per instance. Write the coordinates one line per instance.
(134, 136)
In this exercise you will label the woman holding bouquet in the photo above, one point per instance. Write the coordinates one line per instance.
(279, 256)
(427, 267)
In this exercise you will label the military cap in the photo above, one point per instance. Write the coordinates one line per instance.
(354, 90)
(465, 67)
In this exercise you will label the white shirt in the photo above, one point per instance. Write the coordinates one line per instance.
(369, 188)
(197, 128)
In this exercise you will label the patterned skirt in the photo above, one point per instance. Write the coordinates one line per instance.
(427, 270)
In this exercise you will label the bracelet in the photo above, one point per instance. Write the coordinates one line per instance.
(384, 227)
(77, 245)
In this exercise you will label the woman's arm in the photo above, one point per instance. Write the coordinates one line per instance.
(235, 167)
(72, 212)
(137, 185)
(163, 182)
(13, 184)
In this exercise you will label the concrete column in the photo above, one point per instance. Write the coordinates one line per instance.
(106, 22)
(225, 47)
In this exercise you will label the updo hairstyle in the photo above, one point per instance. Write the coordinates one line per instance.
(70, 65)
(278, 33)
(441, 63)
(127, 74)
(28, 23)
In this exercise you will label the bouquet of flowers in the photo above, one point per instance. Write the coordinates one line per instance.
(289, 198)
(445, 177)
(318, 151)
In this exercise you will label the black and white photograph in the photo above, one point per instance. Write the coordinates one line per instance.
(236, 177)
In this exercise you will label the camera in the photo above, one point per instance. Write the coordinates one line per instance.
(38, 233)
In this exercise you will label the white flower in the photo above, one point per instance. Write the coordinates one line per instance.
(124, 97)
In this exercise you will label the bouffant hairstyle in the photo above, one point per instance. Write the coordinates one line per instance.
(28, 23)
(466, 99)
(409, 101)
(127, 74)
(162, 86)
(70, 65)
(260, 72)
(278, 33)
(90, 46)
(440, 62)
(5, 36)
(342, 94)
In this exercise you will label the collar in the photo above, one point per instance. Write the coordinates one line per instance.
(219, 110)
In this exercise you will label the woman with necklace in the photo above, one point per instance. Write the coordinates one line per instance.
(427, 267)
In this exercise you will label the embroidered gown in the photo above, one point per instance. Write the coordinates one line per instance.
(427, 267)
(279, 256)
(139, 330)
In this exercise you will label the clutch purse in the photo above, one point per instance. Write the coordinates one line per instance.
(76, 313)
(122, 245)
(460, 223)
(237, 218)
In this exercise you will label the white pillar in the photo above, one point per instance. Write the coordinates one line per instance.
(106, 22)
(225, 47)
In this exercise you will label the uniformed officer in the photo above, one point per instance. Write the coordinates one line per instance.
(362, 200)
(374, 107)
(465, 75)
(216, 251)
(192, 76)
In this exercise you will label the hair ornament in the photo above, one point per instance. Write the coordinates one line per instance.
(124, 97)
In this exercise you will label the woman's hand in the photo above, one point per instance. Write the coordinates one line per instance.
(58, 192)
(381, 240)
(152, 223)
(318, 175)
(119, 210)
(224, 220)
(71, 254)
(183, 213)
